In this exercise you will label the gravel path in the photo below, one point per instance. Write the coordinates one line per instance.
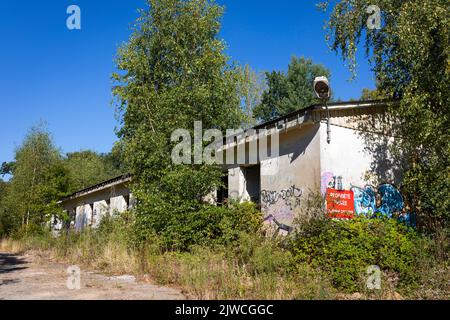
(25, 277)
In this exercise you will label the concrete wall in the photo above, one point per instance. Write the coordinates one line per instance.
(357, 155)
(297, 174)
(89, 209)
(344, 160)
(101, 209)
(287, 179)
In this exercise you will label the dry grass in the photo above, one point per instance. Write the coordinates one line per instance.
(12, 246)
(202, 274)
(206, 274)
(254, 270)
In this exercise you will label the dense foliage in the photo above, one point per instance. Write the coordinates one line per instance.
(410, 58)
(345, 249)
(291, 91)
(37, 178)
(172, 72)
(86, 168)
(40, 176)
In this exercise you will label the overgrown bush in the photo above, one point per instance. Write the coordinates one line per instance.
(253, 268)
(344, 249)
(229, 258)
(262, 254)
(206, 225)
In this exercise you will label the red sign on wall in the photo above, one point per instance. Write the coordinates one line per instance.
(340, 204)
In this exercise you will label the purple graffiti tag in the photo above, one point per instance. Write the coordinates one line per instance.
(327, 177)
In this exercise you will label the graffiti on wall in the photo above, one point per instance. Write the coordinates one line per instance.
(279, 207)
(279, 225)
(326, 182)
(330, 181)
(385, 200)
(291, 197)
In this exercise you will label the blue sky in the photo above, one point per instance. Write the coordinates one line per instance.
(62, 77)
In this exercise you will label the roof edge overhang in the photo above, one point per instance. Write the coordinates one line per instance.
(292, 120)
(124, 178)
(296, 119)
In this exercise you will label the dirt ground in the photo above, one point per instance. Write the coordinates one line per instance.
(27, 277)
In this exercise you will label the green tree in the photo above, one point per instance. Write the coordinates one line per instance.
(253, 85)
(114, 160)
(86, 168)
(3, 187)
(368, 94)
(291, 91)
(7, 168)
(4, 217)
(410, 58)
(172, 72)
(30, 193)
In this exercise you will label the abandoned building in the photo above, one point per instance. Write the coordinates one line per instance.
(343, 165)
(87, 207)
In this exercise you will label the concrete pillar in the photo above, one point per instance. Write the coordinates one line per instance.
(88, 213)
(83, 217)
(118, 205)
(132, 203)
(100, 211)
(236, 184)
(79, 218)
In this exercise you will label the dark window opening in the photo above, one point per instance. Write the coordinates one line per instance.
(91, 206)
(222, 193)
(127, 201)
(253, 182)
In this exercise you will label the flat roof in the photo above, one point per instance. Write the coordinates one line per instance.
(332, 106)
(347, 105)
(99, 186)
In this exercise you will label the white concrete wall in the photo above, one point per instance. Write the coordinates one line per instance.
(344, 157)
(101, 209)
(296, 173)
(355, 156)
(118, 205)
(236, 184)
(287, 179)
(83, 217)
(91, 208)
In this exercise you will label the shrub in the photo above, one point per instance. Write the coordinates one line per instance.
(261, 254)
(206, 225)
(344, 249)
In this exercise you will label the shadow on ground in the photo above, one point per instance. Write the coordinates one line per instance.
(10, 263)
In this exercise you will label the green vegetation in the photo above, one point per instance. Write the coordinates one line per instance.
(87, 168)
(41, 176)
(324, 259)
(38, 181)
(367, 95)
(344, 249)
(172, 72)
(291, 91)
(410, 58)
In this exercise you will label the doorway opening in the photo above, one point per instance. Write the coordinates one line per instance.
(252, 177)
(222, 192)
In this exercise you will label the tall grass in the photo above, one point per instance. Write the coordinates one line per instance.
(254, 267)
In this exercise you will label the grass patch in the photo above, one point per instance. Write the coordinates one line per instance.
(323, 260)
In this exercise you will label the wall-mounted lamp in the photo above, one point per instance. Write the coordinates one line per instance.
(323, 92)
